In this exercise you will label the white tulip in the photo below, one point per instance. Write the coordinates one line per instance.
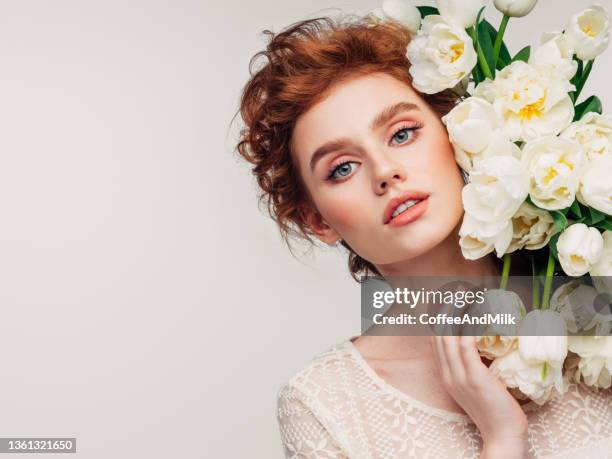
(462, 12)
(555, 55)
(569, 301)
(494, 346)
(496, 340)
(543, 337)
(593, 132)
(538, 381)
(601, 272)
(594, 366)
(532, 228)
(589, 32)
(496, 190)
(515, 8)
(402, 11)
(471, 124)
(555, 167)
(475, 132)
(595, 189)
(532, 102)
(499, 145)
(604, 266)
(579, 248)
(441, 55)
(478, 239)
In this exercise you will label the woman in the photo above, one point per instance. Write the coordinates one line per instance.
(338, 138)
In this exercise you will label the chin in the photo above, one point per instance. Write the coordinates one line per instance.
(425, 237)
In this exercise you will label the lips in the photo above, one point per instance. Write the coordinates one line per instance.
(402, 197)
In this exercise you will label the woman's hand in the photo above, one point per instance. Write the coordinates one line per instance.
(498, 416)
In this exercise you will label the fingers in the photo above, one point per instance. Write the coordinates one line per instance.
(471, 358)
(453, 357)
(451, 365)
(458, 359)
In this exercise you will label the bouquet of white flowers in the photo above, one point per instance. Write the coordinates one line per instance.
(539, 164)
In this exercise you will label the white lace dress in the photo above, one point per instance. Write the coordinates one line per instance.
(338, 407)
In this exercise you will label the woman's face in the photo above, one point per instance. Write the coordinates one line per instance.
(371, 140)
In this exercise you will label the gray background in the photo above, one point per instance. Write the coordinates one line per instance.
(148, 307)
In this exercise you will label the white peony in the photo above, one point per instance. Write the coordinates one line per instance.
(554, 166)
(478, 239)
(402, 11)
(538, 381)
(532, 228)
(555, 55)
(497, 188)
(579, 248)
(594, 133)
(515, 8)
(461, 12)
(595, 189)
(594, 366)
(589, 32)
(530, 101)
(441, 55)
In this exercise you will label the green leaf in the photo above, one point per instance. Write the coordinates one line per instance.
(578, 76)
(592, 104)
(504, 54)
(427, 10)
(596, 216)
(485, 43)
(560, 219)
(523, 54)
(605, 224)
(575, 208)
(478, 75)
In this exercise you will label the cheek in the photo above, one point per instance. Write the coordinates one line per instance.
(344, 205)
(445, 172)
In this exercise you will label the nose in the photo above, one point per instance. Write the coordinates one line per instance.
(387, 172)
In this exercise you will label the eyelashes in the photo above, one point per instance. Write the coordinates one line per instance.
(404, 134)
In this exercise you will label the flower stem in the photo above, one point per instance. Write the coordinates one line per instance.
(500, 38)
(587, 71)
(535, 297)
(482, 60)
(505, 271)
(550, 269)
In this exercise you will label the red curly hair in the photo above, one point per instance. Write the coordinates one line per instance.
(295, 71)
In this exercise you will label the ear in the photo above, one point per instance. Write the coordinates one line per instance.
(318, 226)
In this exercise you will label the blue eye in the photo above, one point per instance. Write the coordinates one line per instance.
(402, 136)
(344, 170)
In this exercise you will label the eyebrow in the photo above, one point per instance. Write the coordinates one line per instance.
(382, 118)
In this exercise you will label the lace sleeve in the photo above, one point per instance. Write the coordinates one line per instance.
(302, 433)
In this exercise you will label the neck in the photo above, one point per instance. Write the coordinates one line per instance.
(444, 260)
